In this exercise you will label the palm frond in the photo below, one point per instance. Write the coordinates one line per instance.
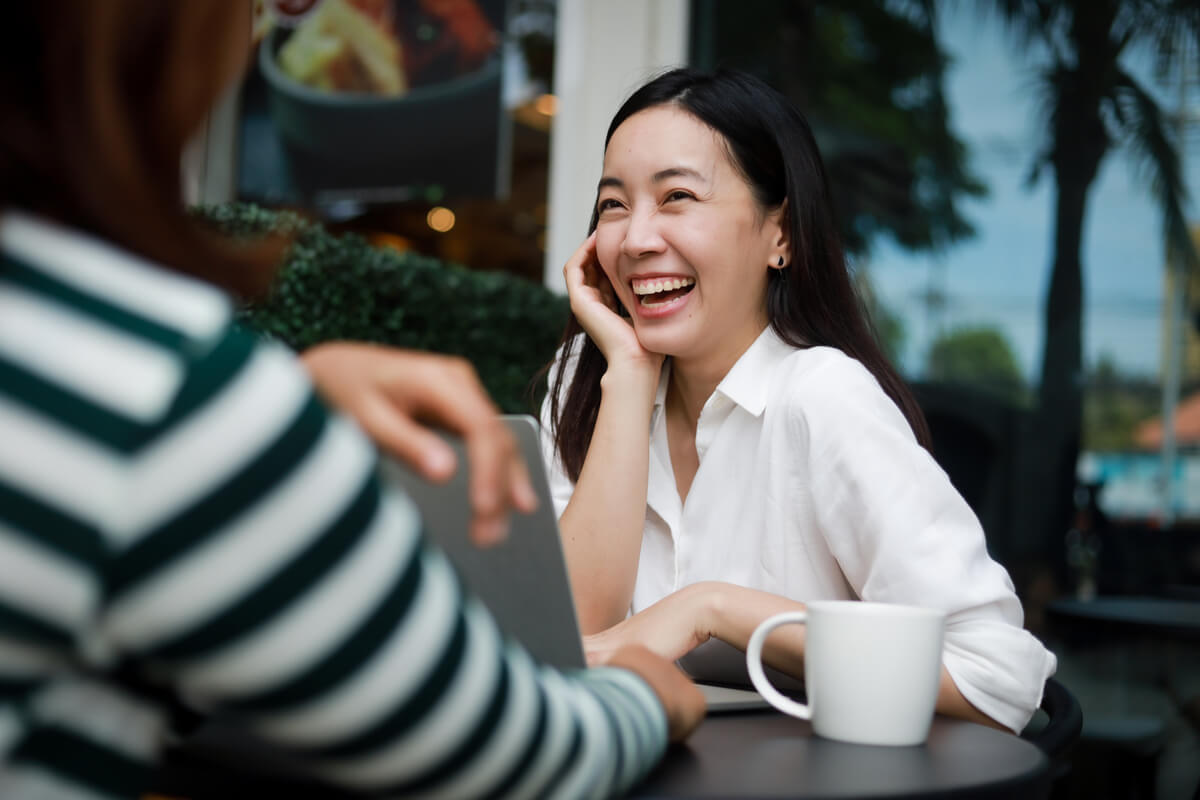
(1050, 89)
(1148, 138)
(1166, 27)
(922, 13)
(1027, 21)
(930, 9)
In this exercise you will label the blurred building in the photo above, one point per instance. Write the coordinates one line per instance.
(1131, 481)
(1149, 435)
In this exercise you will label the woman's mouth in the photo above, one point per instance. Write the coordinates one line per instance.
(656, 292)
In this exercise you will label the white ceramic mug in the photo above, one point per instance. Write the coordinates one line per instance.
(871, 670)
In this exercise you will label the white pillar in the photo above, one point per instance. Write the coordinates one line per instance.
(603, 50)
(209, 164)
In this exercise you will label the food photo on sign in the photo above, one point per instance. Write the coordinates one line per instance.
(353, 102)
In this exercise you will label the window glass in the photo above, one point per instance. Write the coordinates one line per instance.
(423, 125)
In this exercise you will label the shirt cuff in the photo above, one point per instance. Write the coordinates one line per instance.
(1000, 669)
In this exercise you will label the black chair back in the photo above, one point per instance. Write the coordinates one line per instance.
(1065, 721)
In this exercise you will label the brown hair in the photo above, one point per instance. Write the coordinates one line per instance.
(98, 99)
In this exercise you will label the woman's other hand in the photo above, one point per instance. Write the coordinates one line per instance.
(671, 628)
(595, 306)
(400, 396)
(680, 698)
(686, 619)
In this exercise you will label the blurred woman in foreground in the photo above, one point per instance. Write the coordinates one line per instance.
(181, 514)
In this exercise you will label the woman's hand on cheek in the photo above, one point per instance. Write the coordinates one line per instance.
(671, 628)
(594, 303)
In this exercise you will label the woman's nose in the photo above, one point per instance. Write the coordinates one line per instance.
(642, 235)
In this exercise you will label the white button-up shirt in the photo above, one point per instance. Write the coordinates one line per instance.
(812, 486)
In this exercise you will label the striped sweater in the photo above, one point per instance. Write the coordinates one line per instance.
(179, 512)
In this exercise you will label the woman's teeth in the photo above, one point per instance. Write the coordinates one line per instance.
(656, 285)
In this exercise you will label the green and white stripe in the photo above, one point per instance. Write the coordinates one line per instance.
(175, 501)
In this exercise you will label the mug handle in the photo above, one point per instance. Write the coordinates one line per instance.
(755, 667)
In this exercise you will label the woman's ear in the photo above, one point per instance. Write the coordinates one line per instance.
(781, 232)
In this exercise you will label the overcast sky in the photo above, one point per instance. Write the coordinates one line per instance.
(999, 277)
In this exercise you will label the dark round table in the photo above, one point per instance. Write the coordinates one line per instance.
(765, 754)
(1158, 616)
(754, 754)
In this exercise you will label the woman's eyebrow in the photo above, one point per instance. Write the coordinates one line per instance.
(658, 177)
(676, 172)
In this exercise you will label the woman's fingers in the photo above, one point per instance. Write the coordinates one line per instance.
(491, 453)
(498, 479)
(414, 444)
(574, 269)
(399, 397)
(598, 648)
(595, 305)
(524, 498)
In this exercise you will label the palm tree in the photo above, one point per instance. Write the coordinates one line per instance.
(1093, 105)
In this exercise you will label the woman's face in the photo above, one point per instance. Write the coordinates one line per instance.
(675, 212)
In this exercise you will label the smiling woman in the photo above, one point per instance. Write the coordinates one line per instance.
(673, 208)
(727, 439)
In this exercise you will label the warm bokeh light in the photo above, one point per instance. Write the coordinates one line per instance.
(391, 241)
(546, 104)
(440, 218)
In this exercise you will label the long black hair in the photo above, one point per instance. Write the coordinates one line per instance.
(810, 302)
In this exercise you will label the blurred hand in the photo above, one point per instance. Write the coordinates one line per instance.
(594, 304)
(680, 698)
(400, 396)
(671, 628)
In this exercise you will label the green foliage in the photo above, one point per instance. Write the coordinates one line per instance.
(887, 324)
(1114, 405)
(340, 287)
(889, 330)
(979, 356)
(868, 75)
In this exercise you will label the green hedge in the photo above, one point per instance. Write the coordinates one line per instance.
(340, 287)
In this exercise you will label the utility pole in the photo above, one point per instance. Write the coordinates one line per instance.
(1177, 301)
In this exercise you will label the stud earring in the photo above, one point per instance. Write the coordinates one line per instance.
(781, 261)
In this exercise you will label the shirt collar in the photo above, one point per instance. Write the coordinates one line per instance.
(748, 382)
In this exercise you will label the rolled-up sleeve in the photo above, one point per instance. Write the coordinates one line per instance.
(901, 533)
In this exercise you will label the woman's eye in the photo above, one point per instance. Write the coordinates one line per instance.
(679, 194)
(607, 204)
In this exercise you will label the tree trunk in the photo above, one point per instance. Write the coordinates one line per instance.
(1060, 393)
(1058, 420)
